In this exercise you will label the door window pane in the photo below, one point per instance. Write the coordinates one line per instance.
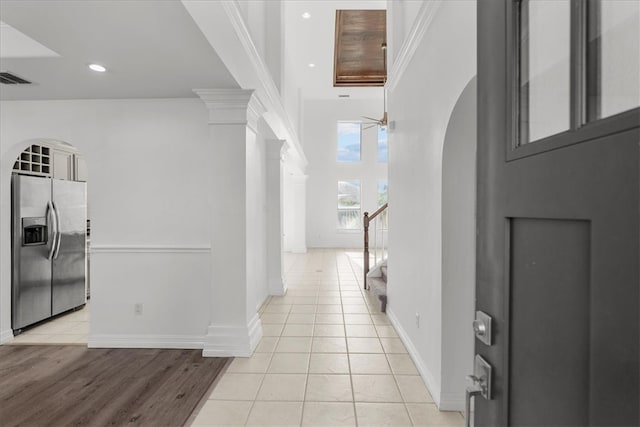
(383, 145)
(544, 71)
(349, 142)
(614, 57)
(349, 215)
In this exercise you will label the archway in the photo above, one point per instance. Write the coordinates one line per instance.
(458, 240)
(36, 160)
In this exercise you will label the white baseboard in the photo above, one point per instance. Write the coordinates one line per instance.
(277, 287)
(432, 385)
(451, 402)
(6, 336)
(236, 341)
(145, 341)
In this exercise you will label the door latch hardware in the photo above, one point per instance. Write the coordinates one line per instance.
(482, 327)
(480, 385)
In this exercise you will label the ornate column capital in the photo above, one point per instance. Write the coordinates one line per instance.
(276, 148)
(232, 106)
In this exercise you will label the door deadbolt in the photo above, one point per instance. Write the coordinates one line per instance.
(479, 328)
(482, 327)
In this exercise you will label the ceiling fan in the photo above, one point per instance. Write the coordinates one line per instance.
(383, 121)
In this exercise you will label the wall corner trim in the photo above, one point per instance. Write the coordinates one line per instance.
(422, 22)
(6, 336)
(432, 384)
(233, 341)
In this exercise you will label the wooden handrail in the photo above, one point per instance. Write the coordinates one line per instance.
(378, 212)
(365, 222)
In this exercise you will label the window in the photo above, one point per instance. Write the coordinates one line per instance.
(577, 62)
(349, 142)
(383, 146)
(545, 33)
(383, 197)
(382, 192)
(613, 56)
(349, 215)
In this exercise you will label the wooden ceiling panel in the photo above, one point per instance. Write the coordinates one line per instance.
(359, 59)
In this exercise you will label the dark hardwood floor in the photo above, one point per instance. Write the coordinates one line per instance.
(76, 386)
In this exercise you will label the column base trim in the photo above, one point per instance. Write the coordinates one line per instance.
(277, 287)
(233, 341)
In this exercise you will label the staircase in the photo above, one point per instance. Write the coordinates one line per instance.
(375, 279)
(377, 283)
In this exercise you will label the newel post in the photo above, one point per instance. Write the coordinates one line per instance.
(365, 223)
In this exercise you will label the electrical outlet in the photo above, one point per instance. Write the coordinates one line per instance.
(417, 320)
(137, 309)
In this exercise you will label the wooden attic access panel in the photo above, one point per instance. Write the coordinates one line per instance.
(359, 59)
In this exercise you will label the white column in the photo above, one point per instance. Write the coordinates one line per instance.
(235, 327)
(275, 174)
(299, 217)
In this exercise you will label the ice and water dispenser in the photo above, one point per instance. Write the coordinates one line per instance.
(34, 231)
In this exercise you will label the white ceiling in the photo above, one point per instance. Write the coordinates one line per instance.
(151, 48)
(312, 41)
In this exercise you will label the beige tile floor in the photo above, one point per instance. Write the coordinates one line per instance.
(71, 328)
(328, 357)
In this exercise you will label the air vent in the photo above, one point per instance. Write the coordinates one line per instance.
(11, 79)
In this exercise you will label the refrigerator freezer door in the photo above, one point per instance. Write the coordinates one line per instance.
(31, 275)
(70, 260)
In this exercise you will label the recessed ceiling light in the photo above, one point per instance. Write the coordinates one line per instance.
(97, 67)
(306, 15)
(312, 65)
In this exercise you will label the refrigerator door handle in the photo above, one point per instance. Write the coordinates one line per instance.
(59, 234)
(54, 222)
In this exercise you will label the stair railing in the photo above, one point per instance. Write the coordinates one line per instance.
(379, 224)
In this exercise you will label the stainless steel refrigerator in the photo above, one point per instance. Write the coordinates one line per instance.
(49, 219)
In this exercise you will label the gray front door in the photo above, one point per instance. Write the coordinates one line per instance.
(558, 211)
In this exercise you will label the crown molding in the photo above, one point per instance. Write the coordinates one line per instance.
(419, 28)
(269, 92)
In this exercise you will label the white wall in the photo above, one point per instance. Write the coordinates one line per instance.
(257, 221)
(148, 168)
(420, 104)
(320, 144)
